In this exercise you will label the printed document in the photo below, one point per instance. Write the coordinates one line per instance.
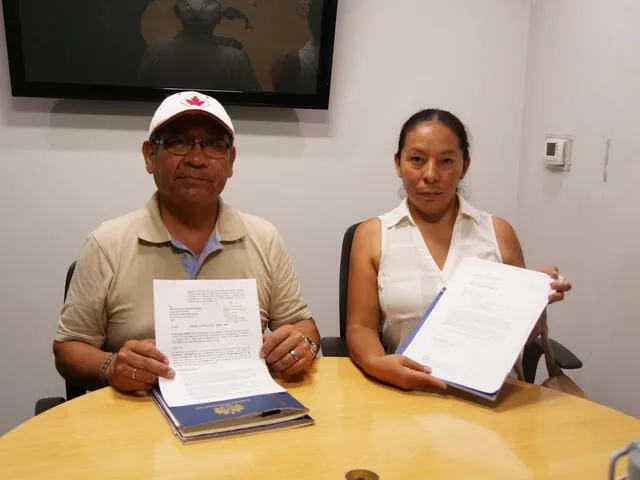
(210, 330)
(473, 332)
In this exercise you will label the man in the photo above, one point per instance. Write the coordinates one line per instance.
(106, 329)
(297, 71)
(195, 56)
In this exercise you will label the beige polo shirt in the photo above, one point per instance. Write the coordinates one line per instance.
(110, 298)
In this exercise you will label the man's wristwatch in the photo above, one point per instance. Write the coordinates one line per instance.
(312, 345)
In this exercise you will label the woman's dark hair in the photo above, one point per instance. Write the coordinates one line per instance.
(448, 119)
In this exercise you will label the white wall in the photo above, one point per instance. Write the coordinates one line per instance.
(67, 165)
(583, 79)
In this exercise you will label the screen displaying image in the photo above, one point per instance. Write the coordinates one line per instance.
(241, 46)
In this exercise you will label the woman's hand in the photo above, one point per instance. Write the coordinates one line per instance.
(559, 284)
(402, 372)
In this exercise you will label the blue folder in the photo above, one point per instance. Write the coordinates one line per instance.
(240, 416)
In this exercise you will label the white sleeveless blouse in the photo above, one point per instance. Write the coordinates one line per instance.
(409, 278)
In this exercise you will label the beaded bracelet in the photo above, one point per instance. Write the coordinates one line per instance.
(103, 370)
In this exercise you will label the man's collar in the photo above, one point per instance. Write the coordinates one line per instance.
(229, 226)
(151, 228)
(402, 215)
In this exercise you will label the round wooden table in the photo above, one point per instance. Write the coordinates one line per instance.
(534, 432)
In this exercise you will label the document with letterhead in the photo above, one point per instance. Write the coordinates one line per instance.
(472, 333)
(210, 330)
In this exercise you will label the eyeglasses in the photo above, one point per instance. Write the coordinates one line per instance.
(212, 147)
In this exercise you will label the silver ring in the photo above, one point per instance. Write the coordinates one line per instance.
(294, 355)
(133, 375)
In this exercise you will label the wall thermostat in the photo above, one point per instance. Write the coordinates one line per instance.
(557, 152)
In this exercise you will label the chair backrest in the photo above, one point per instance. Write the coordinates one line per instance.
(345, 257)
(72, 389)
(67, 281)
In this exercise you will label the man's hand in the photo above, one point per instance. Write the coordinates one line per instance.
(403, 372)
(137, 366)
(559, 284)
(286, 351)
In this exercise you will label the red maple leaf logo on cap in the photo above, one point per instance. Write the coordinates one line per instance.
(195, 101)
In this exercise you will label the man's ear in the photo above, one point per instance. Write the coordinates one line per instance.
(465, 168)
(147, 153)
(232, 159)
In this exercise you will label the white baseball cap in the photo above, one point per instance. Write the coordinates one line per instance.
(183, 102)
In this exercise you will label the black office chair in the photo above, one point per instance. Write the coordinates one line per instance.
(337, 346)
(72, 389)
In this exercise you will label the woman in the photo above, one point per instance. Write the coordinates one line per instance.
(401, 260)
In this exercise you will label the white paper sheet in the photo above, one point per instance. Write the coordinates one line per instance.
(474, 334)
(211, 332)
